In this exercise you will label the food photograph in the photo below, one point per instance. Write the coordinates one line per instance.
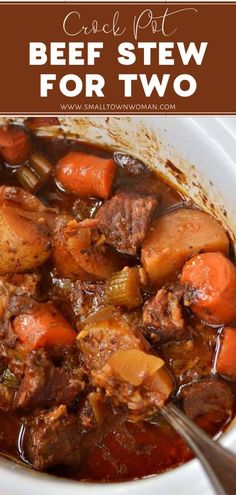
(118, 304)
(117, 248)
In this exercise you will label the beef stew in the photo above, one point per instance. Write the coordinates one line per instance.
(116, 296)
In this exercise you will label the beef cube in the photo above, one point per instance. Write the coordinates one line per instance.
(77, 299)
(163, 314)
(53, 439)
(45, 385)
(208, 396)
(70, 358)
(125, 219)
(86, 298)
(14, 144)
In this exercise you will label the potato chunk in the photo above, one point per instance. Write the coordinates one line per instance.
(134, 366)
(24, 234)
(175, 237)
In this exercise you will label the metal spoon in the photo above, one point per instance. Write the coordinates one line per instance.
(219, 463)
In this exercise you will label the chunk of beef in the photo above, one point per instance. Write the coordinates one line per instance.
(125, 219)
(86, 298)
(53, 439)
(14, 144)
(77, 299)
(45, 385)
(163, 314)
(68, 357)
(191, 359)
(118, 360)
(206, 397)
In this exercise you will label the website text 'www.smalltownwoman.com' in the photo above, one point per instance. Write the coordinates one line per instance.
(116, 107)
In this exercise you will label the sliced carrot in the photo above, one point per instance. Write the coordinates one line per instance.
(87, 175)
(43, 326)
(212, 280)
(226, 359)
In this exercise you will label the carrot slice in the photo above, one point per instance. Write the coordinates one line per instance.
(43, 326)
(226, 359)
(212, 280)
(87, 175)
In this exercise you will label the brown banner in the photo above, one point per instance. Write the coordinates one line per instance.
(118, 58)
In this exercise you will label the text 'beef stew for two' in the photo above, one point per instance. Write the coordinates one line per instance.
(117, 295)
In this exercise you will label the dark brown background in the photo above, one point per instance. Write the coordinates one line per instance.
(21, 23)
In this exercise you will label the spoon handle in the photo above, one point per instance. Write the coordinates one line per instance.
(219, 463)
